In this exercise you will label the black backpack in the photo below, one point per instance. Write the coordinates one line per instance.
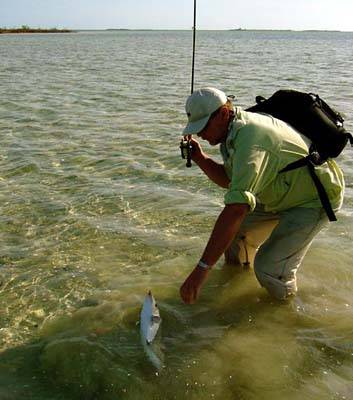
(314, 118)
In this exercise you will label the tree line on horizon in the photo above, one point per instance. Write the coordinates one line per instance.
(27, 29)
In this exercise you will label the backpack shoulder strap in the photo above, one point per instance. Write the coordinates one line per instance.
(308, 161)
(295, 164)
(322, 194)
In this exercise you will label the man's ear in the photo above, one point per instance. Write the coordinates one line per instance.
(224, 112)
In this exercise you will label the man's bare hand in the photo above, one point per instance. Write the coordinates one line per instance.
(190, 289)
(196, 150)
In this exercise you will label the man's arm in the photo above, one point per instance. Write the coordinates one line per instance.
(224, 231)
(211, 168)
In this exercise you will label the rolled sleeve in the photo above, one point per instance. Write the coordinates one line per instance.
(252, 170)
(236, 196)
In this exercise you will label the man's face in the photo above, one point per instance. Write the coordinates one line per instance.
(216, 129)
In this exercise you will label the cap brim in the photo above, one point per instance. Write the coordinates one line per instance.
(192, 128)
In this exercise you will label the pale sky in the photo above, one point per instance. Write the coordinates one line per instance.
(178, 14)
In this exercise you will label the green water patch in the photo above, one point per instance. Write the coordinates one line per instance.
(244, 347)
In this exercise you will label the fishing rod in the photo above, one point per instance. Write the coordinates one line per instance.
(193, 50)
(185, 144)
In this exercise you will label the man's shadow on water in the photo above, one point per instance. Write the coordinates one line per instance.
(96, 352)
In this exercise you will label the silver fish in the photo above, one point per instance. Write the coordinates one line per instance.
(149, 324)
(150, 319)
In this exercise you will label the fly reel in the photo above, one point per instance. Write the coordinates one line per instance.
(186, 151)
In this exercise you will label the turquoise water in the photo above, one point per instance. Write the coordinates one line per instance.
(97, 208)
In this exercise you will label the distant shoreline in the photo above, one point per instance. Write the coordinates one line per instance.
(283, 30)
(26, 29)
(220, 30)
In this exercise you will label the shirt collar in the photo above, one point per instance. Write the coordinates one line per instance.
(234, 127)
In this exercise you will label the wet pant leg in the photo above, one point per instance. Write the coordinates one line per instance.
(279, 257)
(255, 229)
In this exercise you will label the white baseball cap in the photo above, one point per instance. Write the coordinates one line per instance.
(200, 106)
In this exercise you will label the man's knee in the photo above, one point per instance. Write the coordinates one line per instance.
(280, 287)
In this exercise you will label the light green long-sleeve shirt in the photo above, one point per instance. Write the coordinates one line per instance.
(257, 147)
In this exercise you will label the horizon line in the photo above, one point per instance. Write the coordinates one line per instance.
(213, 29)
(238, 29)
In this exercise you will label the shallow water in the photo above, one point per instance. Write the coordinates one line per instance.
(97, 208)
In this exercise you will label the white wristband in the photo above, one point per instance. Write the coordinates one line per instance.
(203, 265)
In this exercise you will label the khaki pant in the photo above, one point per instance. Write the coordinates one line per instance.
(275, 245)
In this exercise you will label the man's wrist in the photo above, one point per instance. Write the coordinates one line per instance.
(204, 265)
